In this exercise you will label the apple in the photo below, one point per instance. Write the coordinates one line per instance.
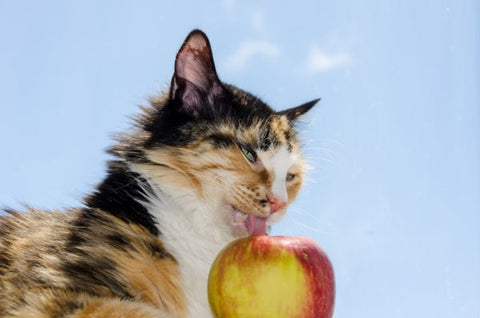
(272, 277)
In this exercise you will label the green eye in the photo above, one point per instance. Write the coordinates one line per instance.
(289, 177)
(249, 153)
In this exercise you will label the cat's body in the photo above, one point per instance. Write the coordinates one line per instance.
(207, 163)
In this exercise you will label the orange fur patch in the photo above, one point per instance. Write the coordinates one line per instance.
(106, 308)
(155, 281)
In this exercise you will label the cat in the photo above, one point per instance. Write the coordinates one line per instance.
(205, 164)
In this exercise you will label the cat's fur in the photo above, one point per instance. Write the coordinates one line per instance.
(144, 242)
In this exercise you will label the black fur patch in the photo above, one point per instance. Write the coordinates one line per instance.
(89, 273)
(172, 127)
(119, 194)
(221, 141)
(118, 241)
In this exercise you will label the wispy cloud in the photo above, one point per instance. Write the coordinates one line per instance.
(320, 61)
(250, 49)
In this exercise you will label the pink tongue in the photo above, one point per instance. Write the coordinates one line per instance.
(255, 225)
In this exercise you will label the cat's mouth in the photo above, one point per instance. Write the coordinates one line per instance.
(247, 224)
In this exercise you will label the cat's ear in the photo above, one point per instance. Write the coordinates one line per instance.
(295, 112)
(195, 84)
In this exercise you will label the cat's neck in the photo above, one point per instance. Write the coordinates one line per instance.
(193, 230)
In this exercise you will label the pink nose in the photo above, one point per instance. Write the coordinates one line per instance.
(275, 203)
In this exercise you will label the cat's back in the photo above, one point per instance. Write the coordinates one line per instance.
(27, 236)
(28, 246)
(82, 253)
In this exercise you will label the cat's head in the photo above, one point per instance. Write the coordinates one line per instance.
(211, 143)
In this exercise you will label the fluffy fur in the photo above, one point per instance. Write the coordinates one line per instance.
(202, 162)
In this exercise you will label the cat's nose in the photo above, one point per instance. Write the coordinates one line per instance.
(275, 203)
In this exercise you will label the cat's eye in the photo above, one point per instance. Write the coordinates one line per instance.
(249, 153)
(290, 177)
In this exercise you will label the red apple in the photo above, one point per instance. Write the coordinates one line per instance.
(272, 277)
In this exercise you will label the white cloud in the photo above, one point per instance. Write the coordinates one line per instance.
(250, 49)
(321, 61)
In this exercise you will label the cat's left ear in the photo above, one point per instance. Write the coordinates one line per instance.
(295, 112)
(195, 83)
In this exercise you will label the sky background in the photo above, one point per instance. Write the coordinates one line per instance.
(394, 193)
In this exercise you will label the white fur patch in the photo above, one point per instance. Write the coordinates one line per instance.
(278, 163)
(194, 232)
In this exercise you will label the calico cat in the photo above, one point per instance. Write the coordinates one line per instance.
(206, 163)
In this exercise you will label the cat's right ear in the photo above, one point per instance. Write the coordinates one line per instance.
(195, 84)
(293, 113)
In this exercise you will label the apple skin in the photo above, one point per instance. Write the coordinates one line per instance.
(272, 277)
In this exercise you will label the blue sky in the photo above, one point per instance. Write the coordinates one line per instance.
(394, 194)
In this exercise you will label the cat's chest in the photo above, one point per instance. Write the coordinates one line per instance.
(194, 265)
(194, 237)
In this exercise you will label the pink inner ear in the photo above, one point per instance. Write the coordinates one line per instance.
(194, 63)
